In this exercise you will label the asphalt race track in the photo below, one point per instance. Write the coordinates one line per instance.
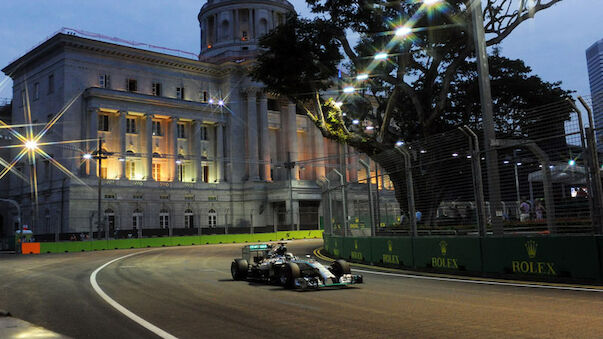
(188, 292)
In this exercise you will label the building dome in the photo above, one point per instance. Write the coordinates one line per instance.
(232, 28)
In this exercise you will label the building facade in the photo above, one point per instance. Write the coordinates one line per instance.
(594, 61)
(188, 146)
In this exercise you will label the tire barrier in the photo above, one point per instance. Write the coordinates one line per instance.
(547, 258)
(99, 245)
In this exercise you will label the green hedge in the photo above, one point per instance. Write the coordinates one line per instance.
(99, 245)
(541, 257)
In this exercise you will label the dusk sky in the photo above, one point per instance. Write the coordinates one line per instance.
(553, 43)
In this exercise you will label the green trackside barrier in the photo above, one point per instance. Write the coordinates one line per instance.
(123, 243)
(551, 256)
(336, 246)
(99, 245)
(392, 251)
(357, 249)
(448, 253)
(599, 239)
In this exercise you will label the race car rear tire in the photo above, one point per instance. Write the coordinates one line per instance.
(239, 269)
(340, 267)
(289, 273)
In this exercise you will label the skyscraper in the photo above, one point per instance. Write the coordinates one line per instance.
(594, 61)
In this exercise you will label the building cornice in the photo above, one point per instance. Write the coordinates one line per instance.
(109, 94)
(61, 40)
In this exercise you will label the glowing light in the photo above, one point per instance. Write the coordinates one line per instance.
(519, 164)
(362, 76)
(506, 162)
(211, 101)
(221, 103)
(349, 90)
(403, 31)
(455, 154)
(468, 157)
(572, 162)
(399, 143)
(423, 151)
(369, 128)
(431, 2)
(31, 145)
(381, 56)
(338, 104)
(87, 156)
(178, 162)
(344, 114)
(355, 121)
(122, 159)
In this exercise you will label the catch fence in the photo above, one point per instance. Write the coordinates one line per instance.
(547, 176)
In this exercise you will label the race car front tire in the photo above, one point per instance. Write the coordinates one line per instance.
(289, 273)
(239, 269)
(340, 267)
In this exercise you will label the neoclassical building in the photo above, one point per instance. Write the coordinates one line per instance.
(189, 144)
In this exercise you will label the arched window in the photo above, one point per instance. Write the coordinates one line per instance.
(263, 27)
(136, 219)
(212, 218)
(225, 30)
(189, 219)
(164, 219)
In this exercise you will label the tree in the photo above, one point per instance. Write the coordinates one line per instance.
(424, 86)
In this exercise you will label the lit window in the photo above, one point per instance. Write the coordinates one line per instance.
(130, 125)
(130, 170)
(156, 89)
(156, 172)
(103, 122)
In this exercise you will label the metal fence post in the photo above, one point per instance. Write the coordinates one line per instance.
(343, 203)
(370, 194)
(478, 187)
(410, 191)
(595, 171)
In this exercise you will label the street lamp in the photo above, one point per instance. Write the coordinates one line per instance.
(99, 155)
(290, 165)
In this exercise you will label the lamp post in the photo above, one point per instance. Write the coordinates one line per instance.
(290, 165)
(99, 155)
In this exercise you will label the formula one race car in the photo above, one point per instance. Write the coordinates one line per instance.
(273, 264)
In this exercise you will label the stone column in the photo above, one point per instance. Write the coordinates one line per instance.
(319, 153)
(264, 139)
(236, 131)
(250, 26)
(174, 148)
(148, 130)
(220, 152)
(292, 137)
(197, 150)
(252, 135)
(237, 26)
(122, 143)
(93, 137)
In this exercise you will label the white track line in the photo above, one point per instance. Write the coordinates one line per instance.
(161, 333)
(482, 282)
